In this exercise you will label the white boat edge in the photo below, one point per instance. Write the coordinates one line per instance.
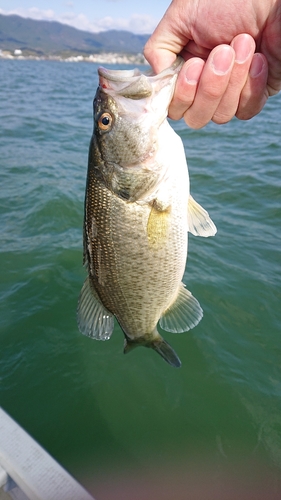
(33, 471)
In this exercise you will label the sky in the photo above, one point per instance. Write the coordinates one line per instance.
(140, 16)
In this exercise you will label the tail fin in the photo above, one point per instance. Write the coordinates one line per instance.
(160, 345)
(167, 352)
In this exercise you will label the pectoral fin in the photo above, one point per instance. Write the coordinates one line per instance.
(199, 221)
(94, 320)
(158, 225)
(184, 314)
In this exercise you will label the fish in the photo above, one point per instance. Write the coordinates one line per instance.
(137, 214)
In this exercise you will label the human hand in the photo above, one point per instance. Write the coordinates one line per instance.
(219, 80)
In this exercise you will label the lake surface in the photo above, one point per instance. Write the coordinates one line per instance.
(132, 426)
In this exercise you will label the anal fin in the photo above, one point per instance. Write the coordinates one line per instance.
(184, 314)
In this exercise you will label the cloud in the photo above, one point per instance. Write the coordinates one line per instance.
(33, 13)
(137, 23)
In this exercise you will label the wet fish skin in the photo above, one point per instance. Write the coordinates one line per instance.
(137, 211)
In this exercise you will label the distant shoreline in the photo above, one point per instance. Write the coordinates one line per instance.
(104, 58)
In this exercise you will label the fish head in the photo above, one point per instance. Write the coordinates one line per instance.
(129, 109)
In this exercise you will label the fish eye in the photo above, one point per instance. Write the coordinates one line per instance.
(105, 121)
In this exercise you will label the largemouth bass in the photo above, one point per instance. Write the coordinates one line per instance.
(138, 211)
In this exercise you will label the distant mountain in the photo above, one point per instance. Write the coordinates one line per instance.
(53, 38)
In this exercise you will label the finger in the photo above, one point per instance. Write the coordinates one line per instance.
(159, 59)
(211, 87)
(271, 47)
(255, 93)
(244, 46)
(186, 87)
(192, 49)
(166, 42)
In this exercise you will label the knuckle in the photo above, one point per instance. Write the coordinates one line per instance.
(178, 108)
(221, 118)
(147, 48)
(247, 114)
(213, 93)
(194, 122)
(248, 108)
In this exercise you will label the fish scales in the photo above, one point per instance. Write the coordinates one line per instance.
(138, 210)
(133, 277)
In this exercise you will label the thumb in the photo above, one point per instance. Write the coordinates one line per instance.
(158, 58)
(166, 42)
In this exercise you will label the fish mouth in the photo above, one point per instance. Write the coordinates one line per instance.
(120, 75)
(135, 84)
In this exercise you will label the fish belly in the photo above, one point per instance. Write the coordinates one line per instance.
(138, 258)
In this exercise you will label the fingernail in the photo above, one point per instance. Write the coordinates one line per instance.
(243, 48)
(193, 72)
(222, 59)
(256, 66)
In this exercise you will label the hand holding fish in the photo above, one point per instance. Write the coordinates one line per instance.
(223, 76)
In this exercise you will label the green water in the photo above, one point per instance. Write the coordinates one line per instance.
(211, 428)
